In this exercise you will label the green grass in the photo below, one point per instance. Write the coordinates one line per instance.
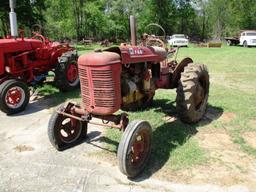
(233, 79)
(86, 48)
(233, 87)
(187, 155)
(233, 90)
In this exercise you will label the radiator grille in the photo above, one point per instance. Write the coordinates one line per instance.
(84, 87)
(103, 88)
(103, 84)
(102, 74)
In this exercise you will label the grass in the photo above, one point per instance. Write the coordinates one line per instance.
(233, 75)
(175, 145)
(233, 79)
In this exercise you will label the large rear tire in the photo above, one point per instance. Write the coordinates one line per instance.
(64, 132)
(66, 72)
(192, 93)
(14, 96)
(134, 148)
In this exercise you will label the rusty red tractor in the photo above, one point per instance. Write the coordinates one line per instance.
(27, 61)
(126, 77)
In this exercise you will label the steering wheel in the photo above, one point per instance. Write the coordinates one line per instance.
(39, 36)
(153, 41)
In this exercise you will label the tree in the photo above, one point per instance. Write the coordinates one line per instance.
(28, 13)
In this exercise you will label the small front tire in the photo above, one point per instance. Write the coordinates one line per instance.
(14, 96)
(134, 148)
(64, 132)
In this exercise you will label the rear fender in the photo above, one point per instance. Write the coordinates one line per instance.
(178, 70)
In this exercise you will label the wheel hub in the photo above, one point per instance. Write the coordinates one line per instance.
(69, 131)
(15, 97)
(72, 73)
(139, 148)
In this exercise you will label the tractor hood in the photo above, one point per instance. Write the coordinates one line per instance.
(136, 54)
(99, 58)
(124, 55)
(17, 45)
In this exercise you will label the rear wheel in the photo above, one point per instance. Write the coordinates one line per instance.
(66, 72)
(64, 132)
(134, 148)
(14, 96)
(192, 93)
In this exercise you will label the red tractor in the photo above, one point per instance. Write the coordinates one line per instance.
(126, 77)
(25, 62)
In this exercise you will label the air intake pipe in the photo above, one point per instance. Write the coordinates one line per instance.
(13, 19)
(133, 30)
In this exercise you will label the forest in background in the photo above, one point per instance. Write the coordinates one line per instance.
(108, 19)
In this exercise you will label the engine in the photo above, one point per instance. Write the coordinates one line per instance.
(136, 84)
(120, 77)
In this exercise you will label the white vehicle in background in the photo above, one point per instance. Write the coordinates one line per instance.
(178, 40)
(248, 38)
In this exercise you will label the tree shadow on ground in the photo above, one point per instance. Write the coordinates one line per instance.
(170, 134)
(173, 133)
(166, 137)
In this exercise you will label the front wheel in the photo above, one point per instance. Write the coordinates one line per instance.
(134, 148)
(245, 44)
(66, 72)
(229, 43)
(64, 132)
(14, 96)
(192, 93)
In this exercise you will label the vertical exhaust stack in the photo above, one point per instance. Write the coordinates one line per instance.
(13, 19)
(133, 30)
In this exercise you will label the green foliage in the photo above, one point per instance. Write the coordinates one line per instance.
(109, 19)
(28, 12)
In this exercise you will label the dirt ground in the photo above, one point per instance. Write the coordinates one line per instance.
(29, 163)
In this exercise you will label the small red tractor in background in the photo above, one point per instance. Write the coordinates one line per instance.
(126, 77)
(25, 62)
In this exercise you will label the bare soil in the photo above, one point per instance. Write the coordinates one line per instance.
(24, 139)
(250, 138)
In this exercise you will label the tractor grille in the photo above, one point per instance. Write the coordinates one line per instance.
(103, 88)
(84, 87)
(102, 93)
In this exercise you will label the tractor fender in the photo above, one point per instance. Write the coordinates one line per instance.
(178, 70)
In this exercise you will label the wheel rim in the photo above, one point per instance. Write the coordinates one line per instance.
(15, 97)
(139, 148)
(201, 92)
(69, 130)
(72, 73)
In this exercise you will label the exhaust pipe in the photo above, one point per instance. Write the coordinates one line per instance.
(133, 30)
(13, 19)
